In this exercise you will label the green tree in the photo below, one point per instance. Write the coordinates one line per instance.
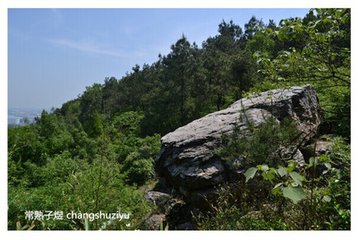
(178, 69)
(26, 144)
(314, 52)
(91, 106)
(252, 27)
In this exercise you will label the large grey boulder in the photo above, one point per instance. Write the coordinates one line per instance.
(187, 161)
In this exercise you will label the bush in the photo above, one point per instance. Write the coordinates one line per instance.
(313, 196)
(330, 188)
(137, 169)
(97, 187)
(235, 210)
(259, 145)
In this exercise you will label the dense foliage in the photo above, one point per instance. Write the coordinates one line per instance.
(55, 165)
(278, 193)
(96, 152)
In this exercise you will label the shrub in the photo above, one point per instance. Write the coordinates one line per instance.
(313, 196)
(260, 145)
(137, 169)
(99, 186)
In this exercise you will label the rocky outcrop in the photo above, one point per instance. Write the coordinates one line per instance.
(318, 147)
(187, 161)
(155, 222)
(157, 197)
(163, 201)
(171, 213)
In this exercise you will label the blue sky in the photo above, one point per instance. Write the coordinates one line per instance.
(53, 54)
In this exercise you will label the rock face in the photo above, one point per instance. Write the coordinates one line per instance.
(318, 147)
(154, 222)
(187, 161)
(162, 201)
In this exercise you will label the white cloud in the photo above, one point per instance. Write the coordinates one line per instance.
(89, 47)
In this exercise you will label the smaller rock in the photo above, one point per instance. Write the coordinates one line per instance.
(186, 226)
(157, 198)
(155, 222)
(291, 153)
(162, 200)
(323, 147)
(317, 148)
(180, 217)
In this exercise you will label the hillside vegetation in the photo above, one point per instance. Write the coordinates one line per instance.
(96, 152)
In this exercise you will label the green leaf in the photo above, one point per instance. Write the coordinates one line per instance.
(291, 165)
(282, 171)
(313, 162)
(326, 198)
(276, 191)
(295, 194)
(328, 165)
(294, 184)
(87, 224)
(264, 168)
(250, 173)
(269, 175)
(298, 178)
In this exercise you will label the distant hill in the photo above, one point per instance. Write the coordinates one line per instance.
(22, 116)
